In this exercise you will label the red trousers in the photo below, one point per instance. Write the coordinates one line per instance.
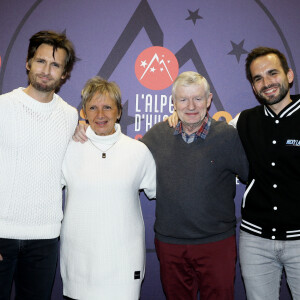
(208, 268)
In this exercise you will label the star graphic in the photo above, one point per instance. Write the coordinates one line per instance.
(237, 50)
(126, 120)
(194, 16)
(161, 69)
(152, 69)
(143, 64)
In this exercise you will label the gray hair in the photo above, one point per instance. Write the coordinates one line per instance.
(189, 78)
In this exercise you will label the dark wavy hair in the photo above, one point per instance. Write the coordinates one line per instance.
(56, 40)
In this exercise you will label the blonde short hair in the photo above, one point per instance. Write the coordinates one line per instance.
(103, 87)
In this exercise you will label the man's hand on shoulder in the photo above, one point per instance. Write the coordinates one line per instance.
(79, 135)
(172, 120)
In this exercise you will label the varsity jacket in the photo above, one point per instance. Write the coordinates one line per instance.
(271, 203)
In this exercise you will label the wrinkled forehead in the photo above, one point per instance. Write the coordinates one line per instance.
(190, 90)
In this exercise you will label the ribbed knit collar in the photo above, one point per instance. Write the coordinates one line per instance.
(104, 140)
(285, 112)
(34, 104)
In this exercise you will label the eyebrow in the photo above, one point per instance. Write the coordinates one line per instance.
(272, 70)
(269, 72)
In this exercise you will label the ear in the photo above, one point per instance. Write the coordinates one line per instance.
(208, 100)
(27, 66)
(83, 113)
(253, 87)
(174, 104)
(64, 76)
(290, 75)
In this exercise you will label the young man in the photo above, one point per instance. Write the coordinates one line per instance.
(35, 128)
(270, 228)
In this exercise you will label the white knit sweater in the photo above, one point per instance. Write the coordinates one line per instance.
(102, 236)
(33, 140)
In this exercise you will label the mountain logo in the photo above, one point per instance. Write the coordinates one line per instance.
(156, 68)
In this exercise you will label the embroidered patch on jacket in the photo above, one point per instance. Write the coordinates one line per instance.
(293, 143)
(137, 275)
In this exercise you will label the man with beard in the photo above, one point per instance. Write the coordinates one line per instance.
(270, 228)
(35, 128)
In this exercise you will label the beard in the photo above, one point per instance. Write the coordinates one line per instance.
(283, 90)
(43, 87)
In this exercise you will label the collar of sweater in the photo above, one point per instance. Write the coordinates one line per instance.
(104, 140)
(286, 111)
(34, 104)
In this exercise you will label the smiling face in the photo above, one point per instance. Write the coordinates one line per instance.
(270, 83)
(102, 113)
(45, 71)
(191, 103)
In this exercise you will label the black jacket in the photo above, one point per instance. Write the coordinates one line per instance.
(271, 203)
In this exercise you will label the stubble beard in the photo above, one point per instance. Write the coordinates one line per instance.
(43, 87)
(283, 91)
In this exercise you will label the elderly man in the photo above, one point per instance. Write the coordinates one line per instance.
(195, 222)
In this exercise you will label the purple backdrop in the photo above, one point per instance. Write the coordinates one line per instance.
(212, 37)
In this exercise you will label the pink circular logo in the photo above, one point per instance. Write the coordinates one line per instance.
(156, 68)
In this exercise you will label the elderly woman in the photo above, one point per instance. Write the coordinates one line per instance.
(102, 237)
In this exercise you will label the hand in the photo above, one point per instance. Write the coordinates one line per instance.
(79, 135)
(1, 258)
(172, 120)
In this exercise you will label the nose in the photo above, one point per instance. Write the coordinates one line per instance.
(191, 104)
(100, 114)
(267, 81)
(46, 69)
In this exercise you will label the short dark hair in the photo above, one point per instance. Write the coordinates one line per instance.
(262, 51)
(56, 40)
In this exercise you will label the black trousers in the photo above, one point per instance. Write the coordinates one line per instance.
(31, 264)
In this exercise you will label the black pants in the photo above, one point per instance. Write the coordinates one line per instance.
(31, 264)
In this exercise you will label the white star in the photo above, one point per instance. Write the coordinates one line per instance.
(169, 61)
(161, 69)
(152, 69)
(143, 64)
